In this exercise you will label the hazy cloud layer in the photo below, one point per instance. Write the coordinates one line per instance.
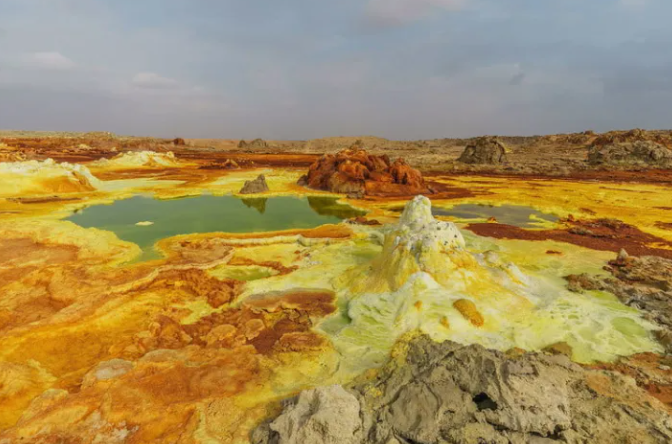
(311, 68)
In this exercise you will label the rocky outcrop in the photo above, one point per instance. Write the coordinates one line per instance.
(484, 151)
(641, 153)
(355, 171)
(8, 154)
(450, 393)
(326, 415)
(634, 135)
(255, 186)
(255, 144)
(179, 142)
(641, 282)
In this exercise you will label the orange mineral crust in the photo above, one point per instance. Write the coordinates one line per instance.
(92, 350)
(602, 234)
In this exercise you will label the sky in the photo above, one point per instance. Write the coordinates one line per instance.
(302, 69)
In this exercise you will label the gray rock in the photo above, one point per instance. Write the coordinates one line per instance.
(484, 151)
(639, 153)
(326, 415)
(643, 282)
(450, 393)
(255, 144)
(255, 186)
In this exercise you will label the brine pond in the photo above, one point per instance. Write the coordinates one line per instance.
(144, 220)
(516, 215)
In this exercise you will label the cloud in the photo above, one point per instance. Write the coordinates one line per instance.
(150, 80)
(49, 61)
(517, 79)
(400, 12)
(440, 68)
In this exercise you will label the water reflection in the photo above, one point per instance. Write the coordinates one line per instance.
(328, 206)
(258, 203)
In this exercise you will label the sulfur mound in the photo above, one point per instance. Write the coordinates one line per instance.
(454, 394)
(418, 243)
(354, 171)
(484, 151)
(45, 177)
(426, 278)
(255, 186)
(139, 159)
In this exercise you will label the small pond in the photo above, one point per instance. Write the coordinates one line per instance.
(145, 220)
(516, 215)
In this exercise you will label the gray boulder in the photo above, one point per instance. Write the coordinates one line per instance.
(484, 151)
(326, 415)
(454, 394)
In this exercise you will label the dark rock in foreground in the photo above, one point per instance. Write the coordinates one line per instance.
(255, 186)
(450, 393)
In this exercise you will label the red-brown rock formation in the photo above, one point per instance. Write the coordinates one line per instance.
(354, 171)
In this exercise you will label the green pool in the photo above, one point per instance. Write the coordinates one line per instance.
(160, 219)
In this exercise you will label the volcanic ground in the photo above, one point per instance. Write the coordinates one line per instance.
(353, 290)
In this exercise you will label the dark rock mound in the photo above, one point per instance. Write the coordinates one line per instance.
(638, 153)
(255, 144)
(179, 142)
(449, 394)
(255, 186)
(356, 172)
(484, 151)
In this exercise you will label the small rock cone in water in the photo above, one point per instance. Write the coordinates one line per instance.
(255, 186)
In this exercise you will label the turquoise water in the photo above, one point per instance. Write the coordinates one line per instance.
(207, 214)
